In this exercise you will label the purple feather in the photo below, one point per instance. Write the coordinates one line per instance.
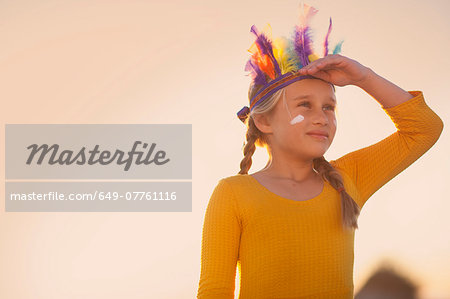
(266, 48)
(325, 44)
(303, 43)
(257, 75)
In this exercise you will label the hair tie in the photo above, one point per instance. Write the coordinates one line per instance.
(243, 113)
(340, 189)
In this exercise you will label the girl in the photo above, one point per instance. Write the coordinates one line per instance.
(289, 227)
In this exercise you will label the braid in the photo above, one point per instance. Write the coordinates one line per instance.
(254, 136)
(350, 209)
(249, 148)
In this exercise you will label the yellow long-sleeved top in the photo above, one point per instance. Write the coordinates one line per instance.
(298, 249)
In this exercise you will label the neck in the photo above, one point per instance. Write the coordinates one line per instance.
(298, 171)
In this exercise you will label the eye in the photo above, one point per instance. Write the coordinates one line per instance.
(308, 104)
(330, 107)
(304, 103)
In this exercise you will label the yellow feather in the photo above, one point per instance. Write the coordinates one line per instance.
(267, 30)
(279, 47)
(313, 57)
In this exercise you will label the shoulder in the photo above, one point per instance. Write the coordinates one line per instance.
(229, 192)
(349, 184)
(238, 184)
(234, 182)
(336, 165)
(339, 166)
(235, 179)
(345, 165)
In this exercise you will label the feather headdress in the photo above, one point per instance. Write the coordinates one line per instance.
(274, 63)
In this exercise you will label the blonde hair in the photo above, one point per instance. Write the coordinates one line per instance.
(254, 137)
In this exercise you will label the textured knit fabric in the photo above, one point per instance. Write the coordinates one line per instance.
(285, 248)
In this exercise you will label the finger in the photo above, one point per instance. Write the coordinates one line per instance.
(318, 75)
(319, 64)
(316, 62)
(323, 66)
(322, 75)
(308, 67)
(316, 67)
(312, 71)
(324, 60)
(328, 60)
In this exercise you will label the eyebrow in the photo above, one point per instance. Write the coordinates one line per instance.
(307, 96)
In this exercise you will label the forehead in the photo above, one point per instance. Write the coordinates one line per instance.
(310, 89)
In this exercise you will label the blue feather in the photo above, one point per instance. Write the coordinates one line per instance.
(337, 48)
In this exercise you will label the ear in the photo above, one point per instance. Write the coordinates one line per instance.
(262, 122)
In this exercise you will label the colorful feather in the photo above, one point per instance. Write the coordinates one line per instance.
(272, 58)
(306, 15)
(337, 48)
(274, 63)
(281, 50)
(325, 44)
(258, 76)
(303, 43)
(263, 54)
(292, 54)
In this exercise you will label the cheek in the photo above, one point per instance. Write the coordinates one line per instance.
(297, 119)
(334, 126)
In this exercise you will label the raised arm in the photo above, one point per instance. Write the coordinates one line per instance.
(418, 127)
(220, 244)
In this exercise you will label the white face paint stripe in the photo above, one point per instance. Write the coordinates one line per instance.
(297, 119)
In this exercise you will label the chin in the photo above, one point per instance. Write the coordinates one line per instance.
(320, 153)
(313, 151)
(315, 154)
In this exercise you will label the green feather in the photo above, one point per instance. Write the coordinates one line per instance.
(337, 48)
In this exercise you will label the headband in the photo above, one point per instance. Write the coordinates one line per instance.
(275, 64)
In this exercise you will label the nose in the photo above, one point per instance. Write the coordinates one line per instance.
(319, 117)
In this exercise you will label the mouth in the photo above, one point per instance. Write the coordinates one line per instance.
(318, 136)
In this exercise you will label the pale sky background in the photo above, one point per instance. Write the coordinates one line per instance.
(183, 62)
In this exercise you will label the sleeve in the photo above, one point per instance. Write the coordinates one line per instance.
(418, 128)
(220, 244)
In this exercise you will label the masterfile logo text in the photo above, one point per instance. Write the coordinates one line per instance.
(53, 155)
(58, 154)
